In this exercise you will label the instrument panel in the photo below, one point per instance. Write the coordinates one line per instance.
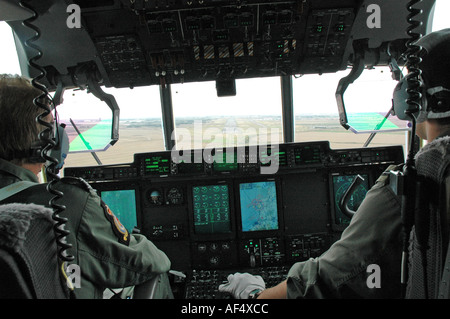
(231, 216)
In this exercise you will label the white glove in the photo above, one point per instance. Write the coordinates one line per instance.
(241, 285)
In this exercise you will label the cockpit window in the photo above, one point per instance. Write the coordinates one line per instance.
(202, 119)
(368, 100)
(251, 117)
(88, 123)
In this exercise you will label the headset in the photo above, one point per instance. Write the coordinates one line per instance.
(435, 102)
(61, 148)
(399, 101)
(56, 135)
(433, 97)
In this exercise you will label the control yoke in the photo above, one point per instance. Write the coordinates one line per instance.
(343, 203)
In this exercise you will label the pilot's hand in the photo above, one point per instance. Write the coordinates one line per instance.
(241, 285)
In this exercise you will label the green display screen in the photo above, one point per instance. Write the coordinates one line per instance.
(211, 209)
(156, 165)
(123, 205)
(225, 162)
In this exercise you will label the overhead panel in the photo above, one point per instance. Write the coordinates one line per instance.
(165, 42)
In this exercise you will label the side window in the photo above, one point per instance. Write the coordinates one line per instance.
(9, 62)
(367, 99)
(140, 125)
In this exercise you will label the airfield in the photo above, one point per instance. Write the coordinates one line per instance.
(146, 135)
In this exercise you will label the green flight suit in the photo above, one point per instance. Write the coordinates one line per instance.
(346, 269)
(107, 255)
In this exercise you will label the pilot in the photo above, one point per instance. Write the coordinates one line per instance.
(374, 236)
(106, 254)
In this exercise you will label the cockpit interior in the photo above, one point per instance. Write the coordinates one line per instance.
(216, 210)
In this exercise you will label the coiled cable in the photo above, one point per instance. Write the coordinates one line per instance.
(413, 77)
(414, 101)
(46, 139)
(415, 84)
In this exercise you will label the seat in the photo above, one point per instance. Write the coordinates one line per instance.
(29, 266)
(429, 249)
(147, 290)
(156, 288)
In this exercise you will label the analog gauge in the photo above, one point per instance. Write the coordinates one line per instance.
(201, 248)
(175, 196)
(155, 197)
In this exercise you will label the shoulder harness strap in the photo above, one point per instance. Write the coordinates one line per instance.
(15, 188)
